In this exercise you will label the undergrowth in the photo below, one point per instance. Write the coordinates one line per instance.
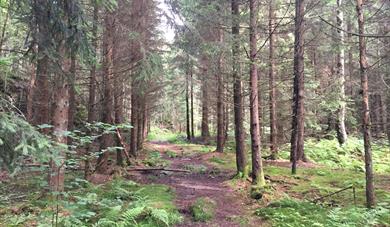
(349, 156)
(291, 213)
(117, 203)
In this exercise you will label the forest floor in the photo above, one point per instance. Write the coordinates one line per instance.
(232, 207)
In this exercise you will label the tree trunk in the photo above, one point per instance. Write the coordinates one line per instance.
(370, 196)
(60, 123)
(297, 135)
(340, 72)
(133, 120)
(72, 92)
(272, 88)
(257, 167)
(205, 132)
(192, 105)
(241, 157)
(108, 101)
(188, 120)
(41, 103)
(92, 84)
(118, 103)
(220, 102)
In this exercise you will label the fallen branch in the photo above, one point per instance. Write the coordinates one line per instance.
(336, 192)
(159, 169)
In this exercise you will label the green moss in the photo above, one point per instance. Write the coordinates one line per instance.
(203, 209)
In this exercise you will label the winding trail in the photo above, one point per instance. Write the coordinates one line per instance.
(233, 208)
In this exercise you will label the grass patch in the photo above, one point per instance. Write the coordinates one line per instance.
(196, 168)
(171, 154)
(154, 159)
(203, 209)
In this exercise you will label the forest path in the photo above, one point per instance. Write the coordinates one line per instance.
(233, 208)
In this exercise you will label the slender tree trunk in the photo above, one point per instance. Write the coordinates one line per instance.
(192, 104)
(92, 85)
(297, 135)
(72, 92)
(108, 76)
(205, 132)
(188, 120)
(370, 196)
(241, 156)
(118, 103)
(220, 102)
(272, 88)
(133, 119)
(140, 138)
(340, 72)
(257, 167)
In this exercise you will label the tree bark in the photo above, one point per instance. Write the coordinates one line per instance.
(108, 77)
(241, 156)
(370, 196)
(92, 84)
(297, 135)
(272, 88)
(220, 102)
(41, 104)
(257, 167)
(205, 132)
(340, 73)
(133, 120)
(188, 120)
(192, 105)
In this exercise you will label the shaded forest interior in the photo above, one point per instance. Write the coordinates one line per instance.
(162, 112)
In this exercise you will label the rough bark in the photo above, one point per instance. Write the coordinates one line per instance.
(297, 135)
(272, 88)
(257, 167)
(241, 156)
(41, 105)
(92, 84)
(108, 77)
(370, 196)
(340, 74)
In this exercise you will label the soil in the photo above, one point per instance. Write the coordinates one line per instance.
(233, 207)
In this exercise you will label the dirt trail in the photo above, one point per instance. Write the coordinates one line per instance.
(232, 208)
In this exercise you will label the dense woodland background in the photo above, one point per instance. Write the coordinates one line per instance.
(271, 93)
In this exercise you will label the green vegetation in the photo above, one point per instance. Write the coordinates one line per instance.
(349, 156)
(203, 209)
(196, 168)
(290, 212)
(118, 203)
(165, 135)
(154, 159)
